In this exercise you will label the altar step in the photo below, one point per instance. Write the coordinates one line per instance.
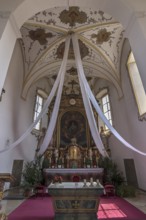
(15, 193)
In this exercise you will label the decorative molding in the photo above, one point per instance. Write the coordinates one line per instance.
(102, 36)
(73, 16)
(40, 35)
(83, 49)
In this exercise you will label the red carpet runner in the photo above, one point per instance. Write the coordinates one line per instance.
(110, 209)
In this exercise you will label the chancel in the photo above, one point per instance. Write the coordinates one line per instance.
(75, 82)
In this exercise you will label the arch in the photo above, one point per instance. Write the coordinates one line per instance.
(100, 72)
(24, 11)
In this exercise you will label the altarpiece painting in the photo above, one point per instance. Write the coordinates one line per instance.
(73, 125)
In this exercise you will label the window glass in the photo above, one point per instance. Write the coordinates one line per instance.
(106, 108)
(38, 109)
(137, 84)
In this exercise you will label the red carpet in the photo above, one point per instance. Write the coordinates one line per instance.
(39, 208)
(118, 209)
(110, 209)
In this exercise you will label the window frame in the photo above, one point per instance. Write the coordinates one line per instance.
(42, 94)
(100, 94)
(107, 103)
(135, 79)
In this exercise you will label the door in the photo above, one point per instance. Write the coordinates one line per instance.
(130, 172)
(17, 172)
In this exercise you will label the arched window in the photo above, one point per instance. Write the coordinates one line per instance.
(104, 101)
(106, 108)
(137, 84)
(40, 97)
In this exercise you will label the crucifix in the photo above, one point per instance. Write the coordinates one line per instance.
(72, 83)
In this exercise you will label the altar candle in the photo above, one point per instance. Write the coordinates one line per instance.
(91, 180)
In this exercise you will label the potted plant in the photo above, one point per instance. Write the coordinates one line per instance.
(111, 172)
(32, 175)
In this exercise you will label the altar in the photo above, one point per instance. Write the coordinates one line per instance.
(75, 200)
(67, 174)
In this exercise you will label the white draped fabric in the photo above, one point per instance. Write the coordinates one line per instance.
(54, 115)
(88, 98)
(45, 107)
(87, 104)
(93, 100)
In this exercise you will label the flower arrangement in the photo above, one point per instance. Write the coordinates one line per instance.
(57, 179)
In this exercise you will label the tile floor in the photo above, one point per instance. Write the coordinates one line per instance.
(139, 201)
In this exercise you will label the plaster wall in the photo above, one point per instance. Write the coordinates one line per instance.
(135, 126)
(125, 121)
(16, 114)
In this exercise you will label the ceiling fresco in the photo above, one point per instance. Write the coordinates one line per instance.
(100, 41)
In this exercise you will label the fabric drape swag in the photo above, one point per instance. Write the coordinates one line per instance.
(88, 100)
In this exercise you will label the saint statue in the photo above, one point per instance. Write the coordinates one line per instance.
(40, 139)
(56, 153)
(104, 137)
(90, 153)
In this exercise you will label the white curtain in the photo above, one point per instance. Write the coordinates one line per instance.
(88, 98)
(54, 115)
(44, 110)
(93, 100)
(87, 104)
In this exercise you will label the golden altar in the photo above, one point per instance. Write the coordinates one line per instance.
(71, 156)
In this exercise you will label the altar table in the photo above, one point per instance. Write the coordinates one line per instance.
(67, 174)
(74, 201)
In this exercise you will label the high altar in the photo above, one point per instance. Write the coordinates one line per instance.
(72, 150)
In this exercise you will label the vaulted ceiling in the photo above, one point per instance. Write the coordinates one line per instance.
(100, 40)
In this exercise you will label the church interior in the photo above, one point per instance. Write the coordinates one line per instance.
(100, 114)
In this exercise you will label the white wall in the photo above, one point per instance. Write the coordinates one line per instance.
(16, 114)
(136, 128)
(125, 121)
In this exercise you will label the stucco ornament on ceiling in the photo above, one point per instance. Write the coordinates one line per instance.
(73, 16)
(43, 42)
(72, 71)
(102, 36)
(83, 48)
(40, 35)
